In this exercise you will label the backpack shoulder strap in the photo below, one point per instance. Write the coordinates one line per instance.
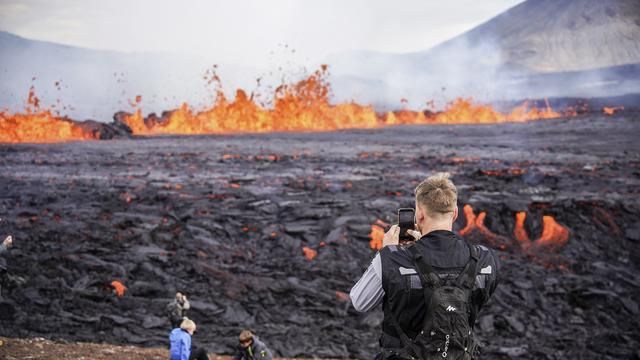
(425, 271)
(430, 281)
(467, 277)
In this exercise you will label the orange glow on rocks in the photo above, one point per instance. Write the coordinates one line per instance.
(519, 232)
(309, 253)
(118, 287)
(611, 110)
(476, 223)
(376, 235)
(554, 236)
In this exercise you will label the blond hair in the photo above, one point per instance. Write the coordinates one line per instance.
(188, 325)
(437, 195)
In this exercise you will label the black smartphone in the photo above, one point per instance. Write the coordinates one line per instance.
(406, 221)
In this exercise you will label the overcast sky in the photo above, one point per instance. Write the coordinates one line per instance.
(241, 31)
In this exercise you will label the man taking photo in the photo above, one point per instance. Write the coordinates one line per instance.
(432, 289)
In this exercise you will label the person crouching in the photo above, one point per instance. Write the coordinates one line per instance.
(251, 348)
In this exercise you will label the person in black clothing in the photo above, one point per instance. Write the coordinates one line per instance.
(177, 309)
(405, 277)
(6, 244)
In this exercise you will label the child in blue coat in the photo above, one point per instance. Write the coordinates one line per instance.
(180, 340)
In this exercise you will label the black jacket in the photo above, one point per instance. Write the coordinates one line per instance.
(3, 262)
(404, 298)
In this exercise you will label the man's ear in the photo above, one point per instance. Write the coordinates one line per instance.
(419, 215)
(455, 214)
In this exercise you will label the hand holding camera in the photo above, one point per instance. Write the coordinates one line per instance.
(405, 231)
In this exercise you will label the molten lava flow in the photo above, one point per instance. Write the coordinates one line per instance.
(465, 111)
(301, 106)
(304, 106)
(470, 216)
(309, 253)
(39, 126)
(462, 111)
(519, 232)
(477, 223)
(118, 287)
(611, 110)
(376, 235)
(554, 236)
(405, 117)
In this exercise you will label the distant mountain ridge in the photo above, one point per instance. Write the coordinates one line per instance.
(544, 36)
(596, 42)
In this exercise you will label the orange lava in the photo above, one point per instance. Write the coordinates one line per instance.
(519, 232)
(305, 106)
(118, 287)
(39, 126)
(476, 223)
(465, 111)
(554, 236)
(309, 253)
(301, 106)
(376, 235)
(611, 110)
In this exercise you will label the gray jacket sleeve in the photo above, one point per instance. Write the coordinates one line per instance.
(487, 277)
(261, 351)
(367, 293)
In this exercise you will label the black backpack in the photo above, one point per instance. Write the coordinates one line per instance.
(447, 331)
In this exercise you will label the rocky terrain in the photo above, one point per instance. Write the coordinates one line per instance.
(271, 231)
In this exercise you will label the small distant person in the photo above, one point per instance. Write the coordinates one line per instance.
(6, 244)
(251, 348)
(177, 309)
(180, 343)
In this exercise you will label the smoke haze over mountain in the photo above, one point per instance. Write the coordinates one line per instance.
(539, 48)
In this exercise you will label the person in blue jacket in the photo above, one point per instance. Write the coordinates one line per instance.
(180, 343)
